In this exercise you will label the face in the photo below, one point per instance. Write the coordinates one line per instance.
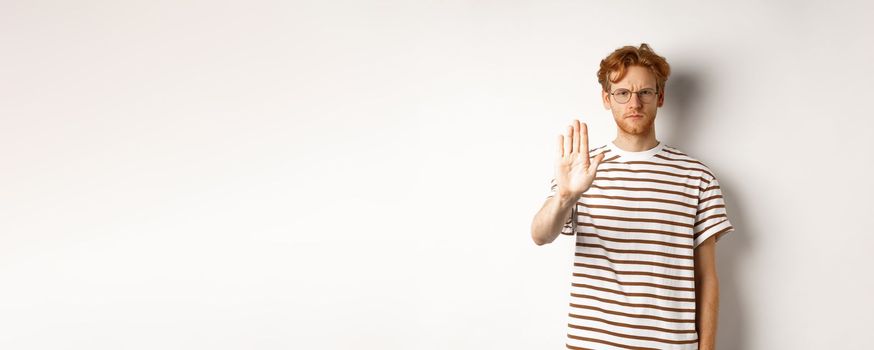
(634, 117)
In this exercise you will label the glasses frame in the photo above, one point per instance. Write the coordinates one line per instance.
(655, 97)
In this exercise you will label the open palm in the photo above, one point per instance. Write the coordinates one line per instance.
(574, 171)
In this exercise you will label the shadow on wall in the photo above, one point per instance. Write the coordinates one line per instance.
(683, 95)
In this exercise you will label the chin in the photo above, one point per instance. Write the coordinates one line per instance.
(636, 128)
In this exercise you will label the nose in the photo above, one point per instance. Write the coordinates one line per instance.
(634, 102)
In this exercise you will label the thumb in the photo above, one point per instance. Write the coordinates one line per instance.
(595, 162)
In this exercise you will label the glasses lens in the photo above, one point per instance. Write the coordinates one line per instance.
(647, 95)
(621, 95)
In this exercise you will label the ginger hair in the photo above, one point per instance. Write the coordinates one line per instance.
(627, 56)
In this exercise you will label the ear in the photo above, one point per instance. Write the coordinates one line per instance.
(661, 98)
(605, 99)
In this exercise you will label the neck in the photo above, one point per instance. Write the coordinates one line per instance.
(636, 143)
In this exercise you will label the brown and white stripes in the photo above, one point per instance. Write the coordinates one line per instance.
(636, 228)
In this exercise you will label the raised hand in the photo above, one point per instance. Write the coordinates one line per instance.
(574, 172)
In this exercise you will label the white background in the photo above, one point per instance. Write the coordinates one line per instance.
(329, 175)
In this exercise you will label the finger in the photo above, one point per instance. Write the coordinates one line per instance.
(576, 143)
(560, 147)
(567, 141)
(584, 142)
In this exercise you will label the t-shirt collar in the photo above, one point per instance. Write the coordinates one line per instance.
(631, 156)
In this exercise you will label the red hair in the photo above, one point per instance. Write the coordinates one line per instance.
(627, 56)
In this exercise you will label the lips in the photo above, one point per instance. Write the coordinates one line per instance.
(635, 116)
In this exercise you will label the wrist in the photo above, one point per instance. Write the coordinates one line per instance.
(566, 199)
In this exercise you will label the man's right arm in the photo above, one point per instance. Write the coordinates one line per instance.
(548, 222)
(574, 173)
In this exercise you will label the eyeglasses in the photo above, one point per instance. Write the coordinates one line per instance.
(623, 95)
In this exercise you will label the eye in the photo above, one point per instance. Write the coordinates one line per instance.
(647, 92)
(622, 93)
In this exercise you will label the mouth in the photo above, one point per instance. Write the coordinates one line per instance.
(635, 116)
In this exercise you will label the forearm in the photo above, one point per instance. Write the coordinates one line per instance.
(548, 222)
(707, 312)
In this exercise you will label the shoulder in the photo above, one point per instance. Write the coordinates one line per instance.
(598, 150)
(674, 155)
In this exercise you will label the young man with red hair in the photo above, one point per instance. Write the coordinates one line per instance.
(646, 218)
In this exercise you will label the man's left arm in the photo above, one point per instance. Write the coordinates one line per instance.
(706, 293)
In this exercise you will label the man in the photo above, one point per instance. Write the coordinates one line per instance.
(646, 218)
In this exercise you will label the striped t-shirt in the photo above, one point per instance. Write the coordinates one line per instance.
(636, 227)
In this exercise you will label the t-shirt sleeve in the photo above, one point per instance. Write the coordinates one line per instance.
(570, 224)
(712, 218)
